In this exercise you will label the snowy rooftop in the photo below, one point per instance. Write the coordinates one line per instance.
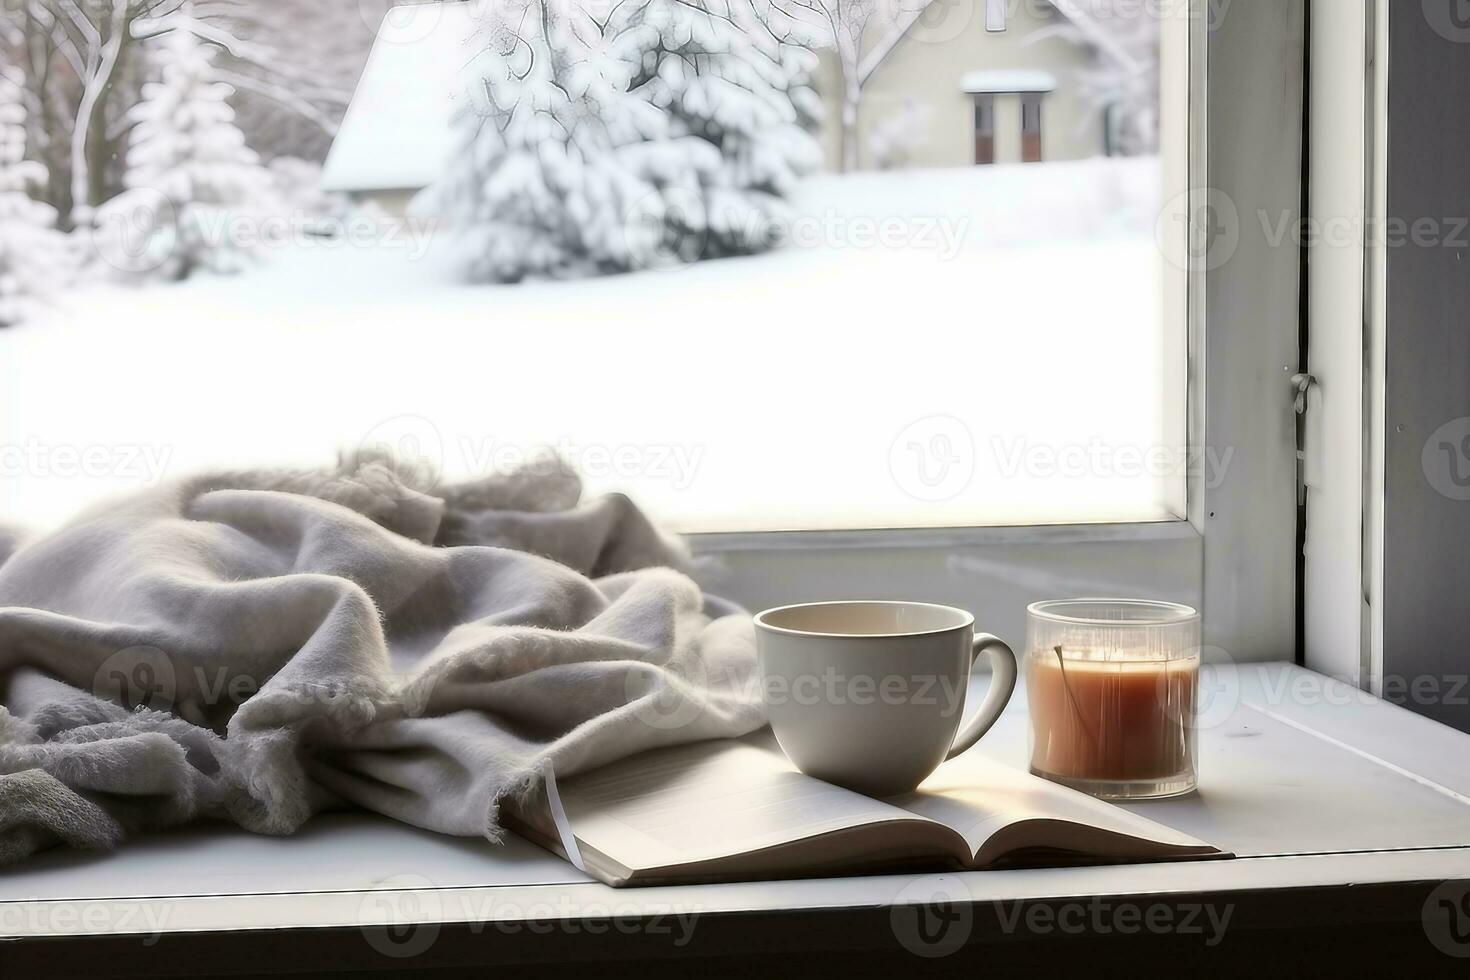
(1006, 82)
(397, 133)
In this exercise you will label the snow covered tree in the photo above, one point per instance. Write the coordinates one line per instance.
(861, 34)
(85, 59)
(298, 188)
(34, 257)
(190, 176)
(1122, 83)
(647, 132)
(297, 67)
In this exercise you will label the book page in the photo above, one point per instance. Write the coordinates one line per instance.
(978, 797)
(711, 800)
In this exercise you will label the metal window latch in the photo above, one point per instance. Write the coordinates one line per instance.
(995, 16)
(1303, 383)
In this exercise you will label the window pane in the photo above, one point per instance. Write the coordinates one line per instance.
(733, 257)
(984, 129)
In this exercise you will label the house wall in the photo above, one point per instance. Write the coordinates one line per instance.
(927, 66)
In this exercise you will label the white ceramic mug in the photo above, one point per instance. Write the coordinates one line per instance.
(870, 695)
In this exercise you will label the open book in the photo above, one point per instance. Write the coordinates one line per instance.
(739, 810)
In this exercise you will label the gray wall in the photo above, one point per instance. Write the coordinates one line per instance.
(1426, 615)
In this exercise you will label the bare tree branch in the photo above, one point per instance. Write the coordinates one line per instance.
(885, 46)
(282, 96)
(94, 87)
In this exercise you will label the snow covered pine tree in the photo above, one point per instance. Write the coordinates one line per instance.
(34, 257)
(193, 184)
(607, 136)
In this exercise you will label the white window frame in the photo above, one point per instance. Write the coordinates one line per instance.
(1373, 291)
(1232, 552)
(1344, 422)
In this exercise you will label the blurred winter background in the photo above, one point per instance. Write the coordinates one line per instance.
(762, 263)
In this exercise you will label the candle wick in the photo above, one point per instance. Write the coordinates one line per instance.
(1067, 685)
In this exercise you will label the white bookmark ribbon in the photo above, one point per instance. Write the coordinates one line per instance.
(563, 826)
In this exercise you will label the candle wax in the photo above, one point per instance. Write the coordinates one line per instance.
(1111, 720)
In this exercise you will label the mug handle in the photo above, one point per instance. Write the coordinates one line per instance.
(1002, 684)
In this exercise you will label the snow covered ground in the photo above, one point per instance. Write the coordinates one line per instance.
(932, 348)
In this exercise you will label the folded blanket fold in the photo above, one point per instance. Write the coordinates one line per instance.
(258, 646)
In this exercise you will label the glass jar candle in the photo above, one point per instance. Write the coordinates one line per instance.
(1112, 686)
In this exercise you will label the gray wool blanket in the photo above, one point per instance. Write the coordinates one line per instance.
(260, 646)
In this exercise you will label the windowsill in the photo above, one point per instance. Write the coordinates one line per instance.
(1311, 784)
(1161, 527)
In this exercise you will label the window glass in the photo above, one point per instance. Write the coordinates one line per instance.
(733, 257)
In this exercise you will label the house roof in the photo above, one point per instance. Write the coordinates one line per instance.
(397, 132)
(1007, 81)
